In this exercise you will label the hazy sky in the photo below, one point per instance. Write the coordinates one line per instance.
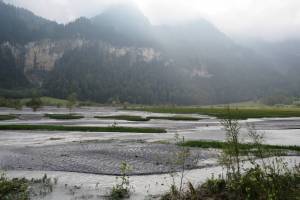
(264, 19)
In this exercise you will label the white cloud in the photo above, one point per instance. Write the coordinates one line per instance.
(267, 19)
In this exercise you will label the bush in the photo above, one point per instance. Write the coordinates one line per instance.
(10, 103)
(261, 181)
(15, 189)
(35, 103)
(215, 185)
(121, 190)
(24, 189)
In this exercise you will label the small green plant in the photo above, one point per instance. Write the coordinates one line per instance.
(122, 189)
(231, 151)
(215, 185)
(179, 163)
(114, 124)
(181, 160)
(42, 187)
(72, 101)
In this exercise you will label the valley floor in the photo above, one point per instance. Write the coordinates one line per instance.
(86, 163)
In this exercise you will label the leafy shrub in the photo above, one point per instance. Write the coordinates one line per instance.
(24, 189)
(10, 103)
(35, 103)
(15, 189)
(215, 185)
(121, 190)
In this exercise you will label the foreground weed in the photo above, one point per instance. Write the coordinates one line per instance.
(122, 189)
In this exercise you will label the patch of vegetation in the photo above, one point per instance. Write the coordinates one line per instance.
(139, 118)
(245, 147)
(7, 117)
(123, 117)
(53, 139)
(122, 189)
(82, 128)
(256, 183)
(50, 101)
(10, 103)
(175, 118)
(222, 112)
(24, 189)
(261, 179)
(35, 103)
(13, 188)
(63, 116)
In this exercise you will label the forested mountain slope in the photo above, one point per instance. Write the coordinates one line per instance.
(119, 54)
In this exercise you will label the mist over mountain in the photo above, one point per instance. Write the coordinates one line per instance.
(119, 54)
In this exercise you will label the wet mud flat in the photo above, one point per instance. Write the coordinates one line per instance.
(103, 157)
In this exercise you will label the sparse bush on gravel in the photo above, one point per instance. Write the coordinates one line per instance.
(121, 190)
(13, 189)
(24, 189)
(272, 180)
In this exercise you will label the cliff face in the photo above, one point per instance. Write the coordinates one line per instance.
(40, 57)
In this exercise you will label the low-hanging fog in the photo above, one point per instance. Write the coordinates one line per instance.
(269, 20)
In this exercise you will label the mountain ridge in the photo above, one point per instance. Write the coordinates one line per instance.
(191, 63)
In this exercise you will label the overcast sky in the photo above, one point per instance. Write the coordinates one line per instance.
(263, 19)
